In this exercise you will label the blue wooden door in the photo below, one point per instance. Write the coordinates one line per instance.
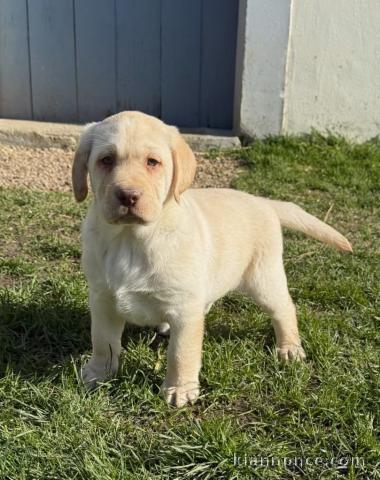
(82, 60)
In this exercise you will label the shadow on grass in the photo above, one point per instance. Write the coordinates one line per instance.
(40, 338)
(236, 317)
(41, 335)
(35, 334)
(225, 330)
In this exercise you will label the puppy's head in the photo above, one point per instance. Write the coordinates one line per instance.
(136, 164)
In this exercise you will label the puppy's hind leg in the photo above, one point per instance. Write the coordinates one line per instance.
(266, 282)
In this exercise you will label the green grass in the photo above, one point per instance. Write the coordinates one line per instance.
(251, 405)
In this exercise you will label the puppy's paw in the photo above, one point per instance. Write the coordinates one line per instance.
(92, 373)
(291, 352)
(180, 395)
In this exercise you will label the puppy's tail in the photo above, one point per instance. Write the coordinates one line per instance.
(292, 216)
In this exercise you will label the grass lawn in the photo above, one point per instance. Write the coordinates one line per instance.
(253, 409)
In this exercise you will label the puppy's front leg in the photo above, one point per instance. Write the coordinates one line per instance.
(106, 331)
(184, 360)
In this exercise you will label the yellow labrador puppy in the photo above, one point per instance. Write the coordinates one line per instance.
(156, 253)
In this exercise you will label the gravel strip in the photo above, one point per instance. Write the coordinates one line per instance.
(50, 169)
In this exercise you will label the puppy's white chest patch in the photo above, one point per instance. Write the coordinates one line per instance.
(136, 286)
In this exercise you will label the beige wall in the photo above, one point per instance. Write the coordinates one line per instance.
(332, 79)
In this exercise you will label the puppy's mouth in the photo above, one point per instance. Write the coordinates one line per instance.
(125, 215)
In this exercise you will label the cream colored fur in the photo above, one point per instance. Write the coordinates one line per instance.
(166, 259)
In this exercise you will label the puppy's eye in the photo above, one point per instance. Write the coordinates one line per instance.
(107, 161)
(151, 162)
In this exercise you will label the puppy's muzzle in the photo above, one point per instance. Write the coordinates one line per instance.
(128, 197)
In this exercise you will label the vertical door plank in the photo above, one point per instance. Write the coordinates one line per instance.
(95, 57)
(52, 53)
(219, 29)
(181, 47)
(15, 93)
(138, 55)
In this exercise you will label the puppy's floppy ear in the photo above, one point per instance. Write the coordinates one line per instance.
(79, 169)
(184, 165)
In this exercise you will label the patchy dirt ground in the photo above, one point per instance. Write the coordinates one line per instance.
(50, 169)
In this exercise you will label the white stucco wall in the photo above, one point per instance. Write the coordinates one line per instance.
(262, 45)
(333, 68)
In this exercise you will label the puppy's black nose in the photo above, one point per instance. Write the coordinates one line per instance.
(127, 197)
